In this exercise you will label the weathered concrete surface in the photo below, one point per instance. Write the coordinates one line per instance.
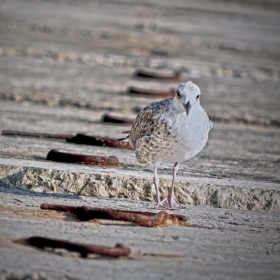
(233, 151)
(222, 244)
(57, 54)
(239, 168)
(113, 182)
(65, 63)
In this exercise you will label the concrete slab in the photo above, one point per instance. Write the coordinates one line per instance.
(238, 169)
(90, 62)
(65, 63)
(233, 151)
(111, 182)
(222, 244)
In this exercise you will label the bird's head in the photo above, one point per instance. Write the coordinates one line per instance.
(187, 95)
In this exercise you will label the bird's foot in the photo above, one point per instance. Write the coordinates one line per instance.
(169, 204)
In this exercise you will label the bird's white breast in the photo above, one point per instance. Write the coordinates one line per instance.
(189, 134)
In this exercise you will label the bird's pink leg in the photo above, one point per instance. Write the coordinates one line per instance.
(170, 202)
(156, 182)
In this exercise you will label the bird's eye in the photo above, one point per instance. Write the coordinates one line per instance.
(178, 93)
(197, 96)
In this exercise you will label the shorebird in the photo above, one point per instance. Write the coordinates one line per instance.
(170, 130)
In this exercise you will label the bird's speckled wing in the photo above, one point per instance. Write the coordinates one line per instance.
(148, 120)
(150, 134)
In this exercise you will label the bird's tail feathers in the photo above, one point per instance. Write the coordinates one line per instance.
(125, 139)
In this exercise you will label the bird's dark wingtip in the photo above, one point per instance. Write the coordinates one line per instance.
(125, 139)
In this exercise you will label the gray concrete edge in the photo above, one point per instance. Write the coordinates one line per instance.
(111, 182)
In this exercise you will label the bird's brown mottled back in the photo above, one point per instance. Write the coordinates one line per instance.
(147, 119)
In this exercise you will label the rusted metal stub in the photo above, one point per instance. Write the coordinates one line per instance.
(147, 219)
(55, 155)
(84, 249)
(114, 143)
(78, 139)
(99, 141)
(113, 119)
(153, 75)
(36, 134)
(151, 93)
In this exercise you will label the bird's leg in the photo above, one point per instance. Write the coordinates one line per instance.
(170, 202)
(156, 182)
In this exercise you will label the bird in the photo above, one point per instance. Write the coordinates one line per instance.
(171, 130)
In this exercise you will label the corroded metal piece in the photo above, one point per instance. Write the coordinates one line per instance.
(36, 134)
(78, 139)
(99, 141)
(58, 156)
(147, 219)
(84, 249)
(152, 93)
(153, 75)
(113, 119)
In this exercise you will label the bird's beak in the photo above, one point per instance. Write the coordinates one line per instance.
(188, 107)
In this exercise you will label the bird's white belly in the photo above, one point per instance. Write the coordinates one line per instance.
(190, 138)
(183, 152)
